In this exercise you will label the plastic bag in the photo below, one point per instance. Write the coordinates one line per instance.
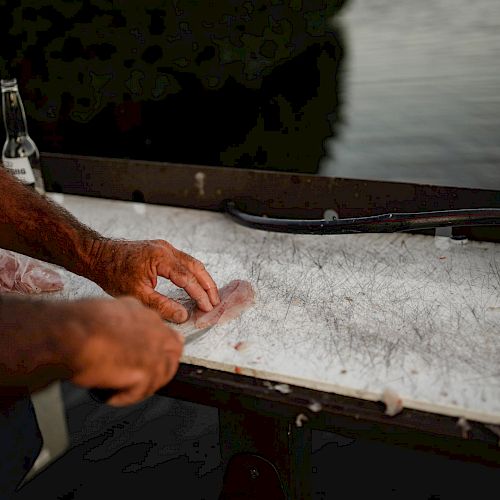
(22, 274)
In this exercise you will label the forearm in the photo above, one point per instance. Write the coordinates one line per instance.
(34, 226)
(37, 342)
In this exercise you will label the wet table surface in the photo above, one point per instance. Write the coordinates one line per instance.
(353, 314)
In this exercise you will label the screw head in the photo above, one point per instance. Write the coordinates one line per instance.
(254, 473)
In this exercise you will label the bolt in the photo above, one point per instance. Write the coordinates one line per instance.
(254, 473)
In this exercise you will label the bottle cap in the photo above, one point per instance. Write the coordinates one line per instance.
(7, 85)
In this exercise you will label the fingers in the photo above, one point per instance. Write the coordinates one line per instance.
(167, 308)
(129, 396)
(190, 274)
(201, 274)
(183, 278)
(145, 385)
(131, 389)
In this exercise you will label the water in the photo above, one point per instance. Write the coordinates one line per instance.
(422, 93)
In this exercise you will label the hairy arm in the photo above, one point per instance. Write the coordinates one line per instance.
(34, 226)
(35, 352)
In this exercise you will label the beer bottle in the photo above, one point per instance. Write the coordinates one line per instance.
(19, 154)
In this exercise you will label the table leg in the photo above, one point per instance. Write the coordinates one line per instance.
(264, 457)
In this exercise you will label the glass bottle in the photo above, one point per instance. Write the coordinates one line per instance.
(19, 154)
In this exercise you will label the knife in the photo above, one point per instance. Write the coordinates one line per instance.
(195, 334)
(103, 395)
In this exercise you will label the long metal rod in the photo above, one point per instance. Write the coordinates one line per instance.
(385, 223)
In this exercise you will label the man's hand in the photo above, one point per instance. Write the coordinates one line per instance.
(125, 347)
(133, 267)
(116, 344)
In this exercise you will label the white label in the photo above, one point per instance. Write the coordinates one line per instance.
(21, 168)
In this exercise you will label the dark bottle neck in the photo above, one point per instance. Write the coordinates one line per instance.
(14, 117)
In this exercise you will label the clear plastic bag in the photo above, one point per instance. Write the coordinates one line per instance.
(22, 274)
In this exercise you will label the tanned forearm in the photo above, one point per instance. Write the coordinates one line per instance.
(34, 353)
(34, 226)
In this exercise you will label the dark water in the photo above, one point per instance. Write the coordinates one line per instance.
(421, 93)
(362, 88)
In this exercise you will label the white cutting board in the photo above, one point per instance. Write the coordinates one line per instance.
(350, 314)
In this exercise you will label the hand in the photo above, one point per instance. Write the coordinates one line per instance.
(124, 346)
(133, 267)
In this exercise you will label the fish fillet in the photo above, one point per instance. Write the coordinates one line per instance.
(21, 274)
(235, 297)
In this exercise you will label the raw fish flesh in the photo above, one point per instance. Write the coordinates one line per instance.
(21, 274)
(235, 297)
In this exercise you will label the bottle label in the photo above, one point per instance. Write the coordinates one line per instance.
(21, 168)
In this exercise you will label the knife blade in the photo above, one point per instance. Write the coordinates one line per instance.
(194, 335)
